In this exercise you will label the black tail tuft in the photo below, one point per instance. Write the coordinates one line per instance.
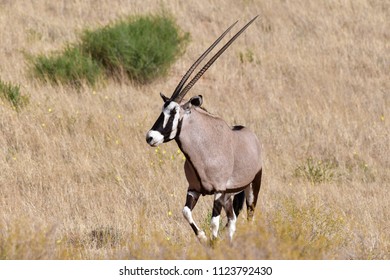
(238, 202)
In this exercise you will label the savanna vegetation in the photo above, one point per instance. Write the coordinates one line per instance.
(78, 180)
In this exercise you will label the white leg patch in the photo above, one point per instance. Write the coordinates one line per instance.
(232, 227)
(187, 214)
(214, 226)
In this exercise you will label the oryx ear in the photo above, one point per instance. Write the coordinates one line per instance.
(164, 97)
(196, 100)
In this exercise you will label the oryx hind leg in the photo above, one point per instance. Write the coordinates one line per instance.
(191, 200)
(217, 208)
(251, 194)
(231, 216)
(238, 201)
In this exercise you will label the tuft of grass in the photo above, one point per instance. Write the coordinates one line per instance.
(22, 242)
(357, 167)
(247, 57)
(12, 94)
(309, 231)
(317, 171)
(73, 67)
(141, 47)
(105, 236)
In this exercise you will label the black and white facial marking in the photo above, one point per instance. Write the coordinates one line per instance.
(167, 125)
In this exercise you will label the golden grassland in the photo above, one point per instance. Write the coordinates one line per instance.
(311, 78)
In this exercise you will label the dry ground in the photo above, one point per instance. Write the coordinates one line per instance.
(311, 78)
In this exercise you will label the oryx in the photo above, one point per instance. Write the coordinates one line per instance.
(220, 160)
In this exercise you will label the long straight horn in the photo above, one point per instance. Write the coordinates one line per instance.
(180, 95)
(197, 62)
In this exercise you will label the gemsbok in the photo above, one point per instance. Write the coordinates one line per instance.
(221, 160)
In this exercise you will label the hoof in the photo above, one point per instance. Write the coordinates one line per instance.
(202, 237)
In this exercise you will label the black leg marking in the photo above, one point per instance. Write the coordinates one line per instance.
(217, 208)
(255, 189)
(238, 202)
(231, 224)
(191, 200)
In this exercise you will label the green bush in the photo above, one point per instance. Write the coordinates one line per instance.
(70, 67)
(12, 94)
(142, 47)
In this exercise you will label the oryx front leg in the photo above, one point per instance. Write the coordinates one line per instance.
(217, 208)
(192, 199)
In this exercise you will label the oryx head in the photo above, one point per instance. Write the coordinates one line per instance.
(168, 124)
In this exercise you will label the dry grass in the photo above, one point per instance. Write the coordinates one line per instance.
(310, 78)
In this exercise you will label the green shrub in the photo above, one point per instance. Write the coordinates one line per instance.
(142, 47)
(70, 67)
(12, 94)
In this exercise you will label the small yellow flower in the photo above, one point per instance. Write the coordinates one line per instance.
(119, 116)
(49, 110)
(382, 118)
(168, 238)
(117, 141)
(43, 124)
(169, 213)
